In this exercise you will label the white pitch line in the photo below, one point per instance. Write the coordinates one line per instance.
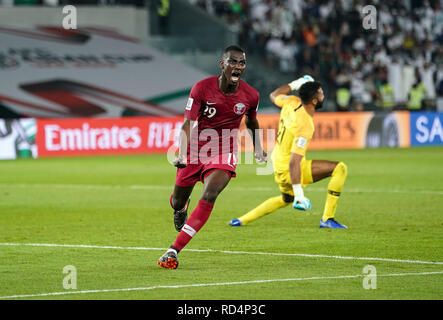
(226, 251)
(179, 286)
(234, 188)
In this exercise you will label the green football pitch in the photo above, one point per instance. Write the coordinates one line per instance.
(94, 227)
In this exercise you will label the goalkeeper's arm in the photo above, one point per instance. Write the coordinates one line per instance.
(300, 201)
(287, 88)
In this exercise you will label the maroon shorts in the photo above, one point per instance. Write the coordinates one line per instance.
(193, 173)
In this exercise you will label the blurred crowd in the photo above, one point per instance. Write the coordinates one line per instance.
(138, 3)
(393, 61)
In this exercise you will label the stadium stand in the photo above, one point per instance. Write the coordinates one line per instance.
(381, 67)
(398, 65)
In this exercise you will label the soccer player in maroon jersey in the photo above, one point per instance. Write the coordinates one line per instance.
(215, 108)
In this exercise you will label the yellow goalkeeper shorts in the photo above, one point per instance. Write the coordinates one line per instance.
(283, 178)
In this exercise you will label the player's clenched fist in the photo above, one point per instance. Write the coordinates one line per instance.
(180, 162)
(261, 157)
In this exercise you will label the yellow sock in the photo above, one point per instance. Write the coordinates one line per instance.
(335, 187)
(330, 206)
(270, 205)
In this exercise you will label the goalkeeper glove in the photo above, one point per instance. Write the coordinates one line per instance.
(296, 84)
(300, 201)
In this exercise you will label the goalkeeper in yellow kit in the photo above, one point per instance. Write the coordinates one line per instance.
(292, 171)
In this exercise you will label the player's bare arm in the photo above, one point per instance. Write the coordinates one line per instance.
(300, 201)
(253, 127)
(184, 139)
(294, 168)
(284, 89)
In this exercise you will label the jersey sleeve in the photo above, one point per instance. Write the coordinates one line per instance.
(302, 134)
(193, 105)
(252, 112)
(283, 100)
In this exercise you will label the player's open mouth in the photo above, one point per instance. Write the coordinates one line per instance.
(235, 76)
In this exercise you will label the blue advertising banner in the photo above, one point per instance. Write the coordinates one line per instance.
(426, 128)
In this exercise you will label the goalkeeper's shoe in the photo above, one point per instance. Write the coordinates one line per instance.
(180, 216)
(304, 204)
(331, 223)
(235, 223)
(169, 260)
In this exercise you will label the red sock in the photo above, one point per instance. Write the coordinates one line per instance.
(195, 222)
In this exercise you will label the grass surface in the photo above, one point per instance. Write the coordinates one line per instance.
(392, 203)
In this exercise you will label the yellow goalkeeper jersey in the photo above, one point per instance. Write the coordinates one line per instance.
(295, 131)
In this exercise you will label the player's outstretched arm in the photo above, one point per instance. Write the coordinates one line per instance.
(184, 140)
(253, 127)
(300, 201)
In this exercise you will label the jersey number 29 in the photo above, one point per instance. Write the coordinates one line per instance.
(209, 111)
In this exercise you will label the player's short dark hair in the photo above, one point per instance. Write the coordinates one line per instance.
(308, 91)
(232, 48)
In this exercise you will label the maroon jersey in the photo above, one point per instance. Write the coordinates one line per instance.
(218, 116)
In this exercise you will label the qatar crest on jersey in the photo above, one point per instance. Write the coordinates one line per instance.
(239, 108)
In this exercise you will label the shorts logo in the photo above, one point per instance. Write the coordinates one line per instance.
(189, 104)
(239, 108)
